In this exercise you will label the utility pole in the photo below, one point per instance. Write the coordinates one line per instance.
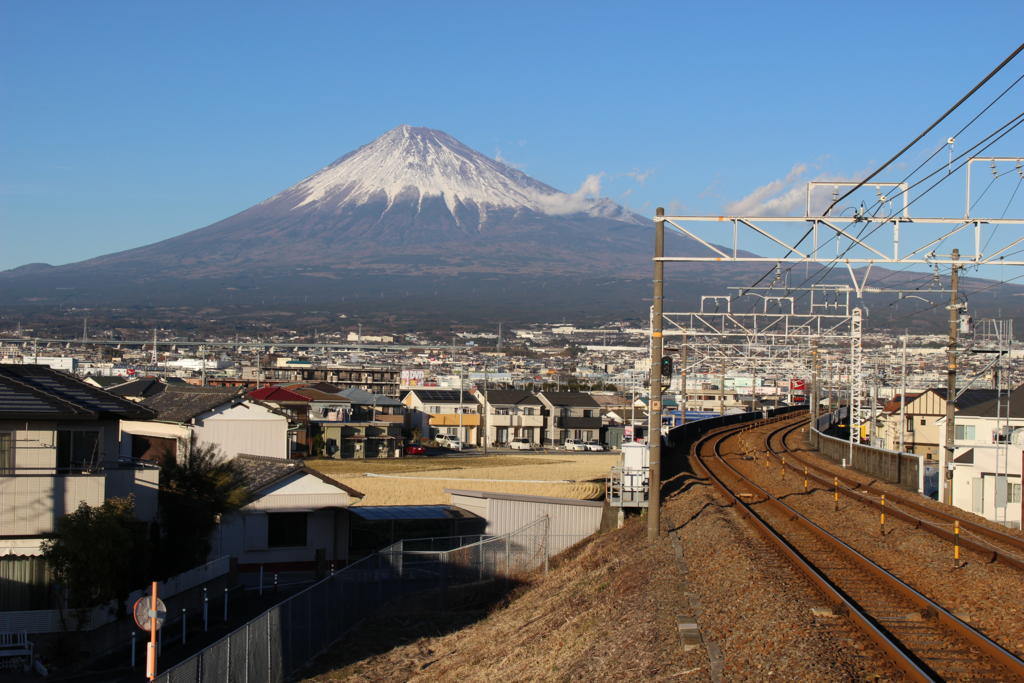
(721, 394)
(654, 404)
(462, 383)
(903, 393)
(483, 418)
(946, 453)
(682, 369)
(815, 394)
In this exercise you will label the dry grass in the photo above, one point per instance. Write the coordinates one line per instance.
(428, 477)
(606, 611)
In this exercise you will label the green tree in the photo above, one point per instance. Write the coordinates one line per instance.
(99, 553)
(196, 489)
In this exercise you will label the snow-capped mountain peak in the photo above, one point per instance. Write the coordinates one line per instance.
(416, 163)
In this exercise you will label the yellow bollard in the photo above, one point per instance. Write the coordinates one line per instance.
(782, 468)
(883, 515)
(805, 478)
(956, 543)
(835, 495)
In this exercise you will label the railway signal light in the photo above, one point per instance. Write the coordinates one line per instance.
(666, 372)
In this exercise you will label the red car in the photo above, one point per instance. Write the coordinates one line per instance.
(413, 449)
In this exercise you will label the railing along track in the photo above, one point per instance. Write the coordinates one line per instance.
(924, 640)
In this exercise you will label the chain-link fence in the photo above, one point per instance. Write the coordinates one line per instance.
(280, 641)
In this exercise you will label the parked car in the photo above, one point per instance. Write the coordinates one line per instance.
(574, 445)
(521, 445)
(414, 449)
(447, 441)
(594, 446)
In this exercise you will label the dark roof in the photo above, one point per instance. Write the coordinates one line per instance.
(181, 404)
(361, 397)
(142, 388)
(39, 392)
(570, 398)
(509, 398)
(442, 395)
(374, 513)
(988, 407)
(260, 471)
(317, 395)
(970, 397)
(106, 381)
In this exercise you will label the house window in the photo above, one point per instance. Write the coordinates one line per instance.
(501, 411)
(528, 411)
(923, 422)
(434, 409)
(1012, 492)
(588, 413)
(286, 529)
(6, 453)
(77, 450)
(963, 432)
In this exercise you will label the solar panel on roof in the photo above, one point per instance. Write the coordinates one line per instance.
(81, 395)
(14, 401)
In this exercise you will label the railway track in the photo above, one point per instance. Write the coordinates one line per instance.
(921, 638)
(991, 544)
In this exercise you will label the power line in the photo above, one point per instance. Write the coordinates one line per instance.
(929, 129)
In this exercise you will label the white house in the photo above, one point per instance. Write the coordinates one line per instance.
(296, 518)
(222, 417)
(989, 458)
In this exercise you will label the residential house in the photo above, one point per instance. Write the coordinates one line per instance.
(378, 379)
(296, 406)
(570, 415)
(224, 418)
(922, 434)
(355, 424)
(510, 415)
(444, 411)
(296, 518)
(989, 457)
(58, 448)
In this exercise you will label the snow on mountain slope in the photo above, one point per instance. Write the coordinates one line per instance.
(422, 162)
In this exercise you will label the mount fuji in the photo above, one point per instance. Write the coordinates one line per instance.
(413, 212)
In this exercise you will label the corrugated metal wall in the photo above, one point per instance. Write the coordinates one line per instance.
(569, 522)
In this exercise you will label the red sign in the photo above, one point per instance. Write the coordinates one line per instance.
(131, 372)
(796, 385)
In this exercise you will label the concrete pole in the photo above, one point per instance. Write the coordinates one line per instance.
(682, 369)
(903, 393)
(946, 452)
(654, 404)
(815, 394)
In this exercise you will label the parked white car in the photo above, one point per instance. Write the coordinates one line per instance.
(521, 445)
(594, 446)
(447, 441)
(574, 445)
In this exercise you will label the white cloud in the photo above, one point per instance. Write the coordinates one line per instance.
(580, 200)
(780, 197)
(640, 176)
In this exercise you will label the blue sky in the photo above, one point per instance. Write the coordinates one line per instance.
(126, 123)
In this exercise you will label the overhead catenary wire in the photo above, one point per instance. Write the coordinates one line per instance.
(934, 153)
(930, 128)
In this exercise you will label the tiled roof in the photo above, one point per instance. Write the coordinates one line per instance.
(317, 395)
(988, 407)
(278, 395)
(570, 398)
(501, 397)
(143, 387)
(258, 472)
(38, 392)
(361, 397)
(181, 404)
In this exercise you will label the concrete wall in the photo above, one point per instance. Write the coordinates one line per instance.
(902, 469)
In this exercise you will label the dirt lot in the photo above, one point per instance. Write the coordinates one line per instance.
(421, 481)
